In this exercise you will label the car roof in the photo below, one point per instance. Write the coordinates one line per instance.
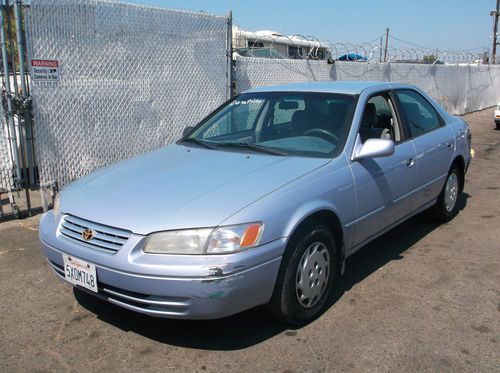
(338, 86)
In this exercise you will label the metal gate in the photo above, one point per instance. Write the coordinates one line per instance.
(17, 164)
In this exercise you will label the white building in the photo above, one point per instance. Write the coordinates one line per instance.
(272, 44)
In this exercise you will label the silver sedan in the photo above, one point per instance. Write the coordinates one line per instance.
(260, 203)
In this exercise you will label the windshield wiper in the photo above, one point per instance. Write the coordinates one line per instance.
(197, 142)
(254, 147)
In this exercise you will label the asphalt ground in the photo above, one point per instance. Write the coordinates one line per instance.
(422, 297)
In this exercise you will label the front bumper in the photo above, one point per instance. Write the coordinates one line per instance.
(172, 286)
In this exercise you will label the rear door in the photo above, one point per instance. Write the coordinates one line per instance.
(433, 142)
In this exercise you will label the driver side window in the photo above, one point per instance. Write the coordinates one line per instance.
(379, 119)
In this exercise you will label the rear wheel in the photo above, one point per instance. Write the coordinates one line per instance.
(306, 276)
(446, 207)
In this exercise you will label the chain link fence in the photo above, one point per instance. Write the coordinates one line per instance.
(255, 72)
(460, 89)
(131, 79)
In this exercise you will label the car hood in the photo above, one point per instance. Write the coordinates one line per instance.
(180, 187)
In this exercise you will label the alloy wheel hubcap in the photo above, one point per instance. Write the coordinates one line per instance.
(312, 274)
(451, 192)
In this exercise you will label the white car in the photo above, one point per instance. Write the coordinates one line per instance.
(497, 116)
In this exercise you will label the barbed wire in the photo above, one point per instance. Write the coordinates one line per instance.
(483, 47)
(372, 53)
(395, 54)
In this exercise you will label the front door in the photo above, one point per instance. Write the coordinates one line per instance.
(385, 185)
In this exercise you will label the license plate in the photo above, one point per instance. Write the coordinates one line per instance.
(79, 272)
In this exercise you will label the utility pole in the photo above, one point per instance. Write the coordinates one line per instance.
(387, 42)
(380, 58)
(494, 13)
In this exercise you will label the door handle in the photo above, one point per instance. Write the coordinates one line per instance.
(449, 145)
(410, 163)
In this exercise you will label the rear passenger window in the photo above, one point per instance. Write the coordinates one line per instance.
(420, 116)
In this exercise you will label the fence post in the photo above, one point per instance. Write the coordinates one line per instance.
(25, 95)
(8, 94)
(229, 54)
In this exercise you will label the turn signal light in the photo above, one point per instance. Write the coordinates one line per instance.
(251, 236)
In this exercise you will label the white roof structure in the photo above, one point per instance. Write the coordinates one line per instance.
(278, 38)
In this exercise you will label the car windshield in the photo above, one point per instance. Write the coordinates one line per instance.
(307, 124)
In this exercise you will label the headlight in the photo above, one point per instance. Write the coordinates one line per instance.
(189, 241)
(57, 204)
(221, 240)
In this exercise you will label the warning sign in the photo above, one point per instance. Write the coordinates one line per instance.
(45, 70)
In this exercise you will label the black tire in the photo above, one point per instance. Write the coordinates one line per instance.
(440, 211)
(285, 304)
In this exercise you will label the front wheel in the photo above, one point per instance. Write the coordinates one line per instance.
(446, 207)
(306, 276)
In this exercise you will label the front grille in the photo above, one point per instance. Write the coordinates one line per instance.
(106, 239)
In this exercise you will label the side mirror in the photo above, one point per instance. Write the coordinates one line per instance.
(373, 148)
(187, 130)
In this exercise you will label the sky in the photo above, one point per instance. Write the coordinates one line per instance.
(443, 24)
